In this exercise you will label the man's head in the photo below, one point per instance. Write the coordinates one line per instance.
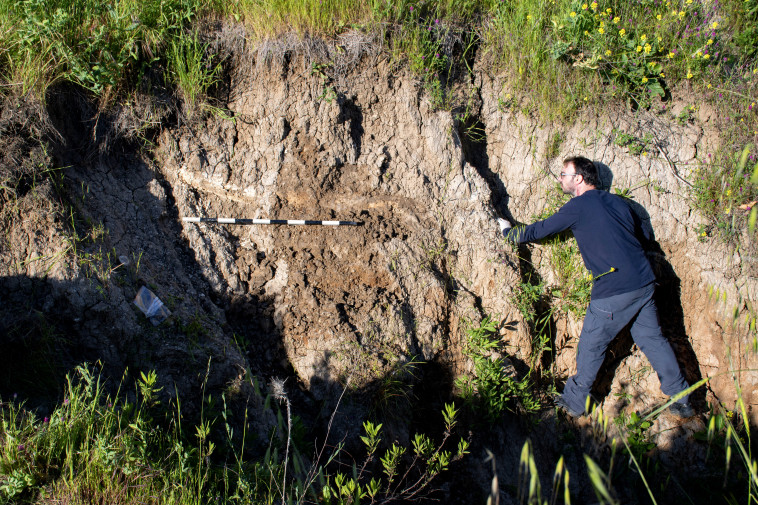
(579, 175)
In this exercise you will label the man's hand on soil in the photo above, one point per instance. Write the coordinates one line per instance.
(504, 224)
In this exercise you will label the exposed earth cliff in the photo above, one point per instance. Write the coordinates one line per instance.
(358, 139)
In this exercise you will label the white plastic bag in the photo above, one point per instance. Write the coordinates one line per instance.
(151, 306)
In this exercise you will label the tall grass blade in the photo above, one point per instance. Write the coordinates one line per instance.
(600, 482)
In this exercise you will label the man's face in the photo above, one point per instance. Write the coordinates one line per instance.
(568, 179)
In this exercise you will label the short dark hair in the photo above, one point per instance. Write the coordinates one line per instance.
(585, 168)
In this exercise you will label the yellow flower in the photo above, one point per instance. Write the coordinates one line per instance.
(660, 39)
(706, 56)
(647, 48)
(689, 2)
(584, 7)
(709, 86)
(608, 52)
(689, 75)
(728, 211)
(658, 17)
(663, 75)
(710, 41)
(573, 14)
(622, 32)
(715, 25)
(643, 37)
(644, 80)
(608, 10)
(639, 49)
(528, 17)
(671, 54)
(728, 192)
(586, 32)
(594, 6)
(698, 54)
(600, 30)
(681, 14)
(616, 20)
(644, 153)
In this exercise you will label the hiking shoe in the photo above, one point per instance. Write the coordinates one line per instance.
(681, 410)
(561, 403)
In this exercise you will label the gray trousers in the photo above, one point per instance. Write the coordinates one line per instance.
(605, 318)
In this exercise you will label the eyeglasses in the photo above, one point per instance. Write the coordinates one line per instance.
(563, 174)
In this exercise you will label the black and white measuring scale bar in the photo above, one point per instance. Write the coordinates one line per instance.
(230, 220)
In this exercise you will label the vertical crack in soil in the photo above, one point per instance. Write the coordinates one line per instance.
(352, 113)
(472, 132)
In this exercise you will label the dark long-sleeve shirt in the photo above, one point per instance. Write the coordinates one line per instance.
(608, 235)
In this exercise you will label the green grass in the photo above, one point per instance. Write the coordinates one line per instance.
(192, 71)
(100, 448)
(517, 41)
(102, 46)
(726, 191)
(268, 18)
(128, 448)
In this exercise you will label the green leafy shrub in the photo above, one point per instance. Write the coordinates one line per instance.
(492, 390)
(400, 475)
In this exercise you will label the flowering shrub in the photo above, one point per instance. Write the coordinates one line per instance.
(636, 45)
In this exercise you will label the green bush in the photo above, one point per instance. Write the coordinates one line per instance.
(491, 390)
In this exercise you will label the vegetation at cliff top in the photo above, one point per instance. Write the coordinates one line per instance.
(569, 52)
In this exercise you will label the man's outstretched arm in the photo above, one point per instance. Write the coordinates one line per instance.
(558, 222)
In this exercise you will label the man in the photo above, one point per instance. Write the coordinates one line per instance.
(606, 229)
